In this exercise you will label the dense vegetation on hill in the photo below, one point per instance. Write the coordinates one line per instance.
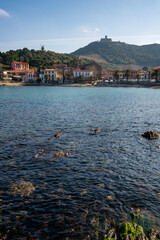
(36, 58)
(119, 55)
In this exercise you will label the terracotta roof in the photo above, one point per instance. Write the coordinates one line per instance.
(78, 70)
(156, 68)
(21, 63)
(20, 71)
(49, 70)
(141, 73)
(133, 70)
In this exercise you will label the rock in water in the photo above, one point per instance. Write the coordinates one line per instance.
(57, 135)
(22, 188)
(151, 135)
(97, 130)
(60, 154)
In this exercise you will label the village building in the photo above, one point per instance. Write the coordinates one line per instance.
(93, 67)
(18, 66)
(20, 72)
(156, 68)
(59, 68)
(144, 75)
(68, 71)
(59, 78)
(85, 73)
(21, 75)
(48, 75)
(108, 75)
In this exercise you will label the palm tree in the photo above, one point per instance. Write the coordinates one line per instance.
(127, 74)
(116, 74)
(138, 76)
(149, 73)
(156, 74)
(47, 78)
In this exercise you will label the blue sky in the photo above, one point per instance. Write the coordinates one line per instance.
(66, 25)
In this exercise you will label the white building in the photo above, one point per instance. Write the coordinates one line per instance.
(48, 75)
(84, 73)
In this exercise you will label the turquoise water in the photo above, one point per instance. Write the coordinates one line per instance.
(115, 162)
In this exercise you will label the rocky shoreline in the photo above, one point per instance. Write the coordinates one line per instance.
(101, 84)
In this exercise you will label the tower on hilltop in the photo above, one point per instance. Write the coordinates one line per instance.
(106, 39)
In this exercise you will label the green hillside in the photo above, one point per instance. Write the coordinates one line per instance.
(36, 58)
(121, 55)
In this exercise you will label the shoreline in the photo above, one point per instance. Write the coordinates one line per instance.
(153, 85)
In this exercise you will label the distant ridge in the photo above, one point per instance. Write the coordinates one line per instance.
(119, 55)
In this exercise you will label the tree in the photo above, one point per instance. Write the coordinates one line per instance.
(149, 73)
(138, 76)
(69, 76)
(81, 78)
(127, 74)
(91, 78)
(155, 74)
(46, 78)
(145, 68)
(116, 74)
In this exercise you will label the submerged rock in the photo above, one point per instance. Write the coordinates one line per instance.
(41, 151)
(57, 135)
(97, 130)
(111, 235)
(50, 138)
(151, 135)
(131, 231)
(22, 188)
(60, 154)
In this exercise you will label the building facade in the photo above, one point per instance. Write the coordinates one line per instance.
(19, 66)
(23, 75)
(77, 73)
(48, 75)
(68, 71)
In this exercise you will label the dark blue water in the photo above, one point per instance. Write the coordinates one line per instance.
(106, 175)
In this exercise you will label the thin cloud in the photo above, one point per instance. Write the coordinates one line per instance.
(97, 30)
(84, 29)
(88, 29)
(3, 13)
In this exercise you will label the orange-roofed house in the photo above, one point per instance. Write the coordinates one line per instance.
(144, 75)
(155, 68)
(19, 66)
(24, 75)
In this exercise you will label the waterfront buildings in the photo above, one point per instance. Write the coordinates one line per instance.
(20, 71)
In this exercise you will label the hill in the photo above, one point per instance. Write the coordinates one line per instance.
(36, 58)
(113, 55)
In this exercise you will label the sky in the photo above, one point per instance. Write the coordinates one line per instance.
(66, 25)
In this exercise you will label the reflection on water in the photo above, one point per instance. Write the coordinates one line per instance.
(106, 174)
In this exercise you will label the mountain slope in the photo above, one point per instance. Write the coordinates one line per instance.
(121, 55)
